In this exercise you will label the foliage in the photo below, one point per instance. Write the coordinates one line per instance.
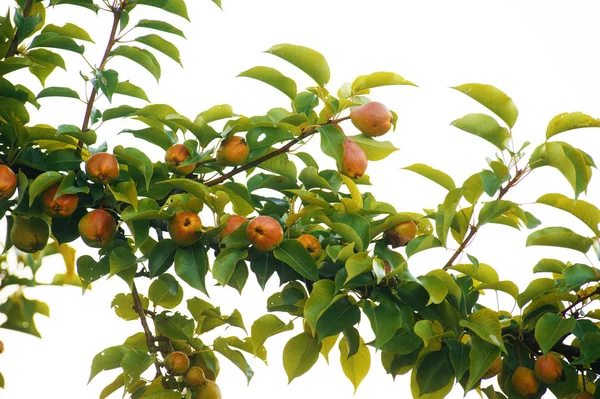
(431, 325)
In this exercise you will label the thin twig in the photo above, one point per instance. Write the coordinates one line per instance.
(150, 338)
(581, 300)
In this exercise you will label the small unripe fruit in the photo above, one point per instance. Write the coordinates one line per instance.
(401, 234)
(97, 228)
(524, 381)
(312, 245)
(264, 233)
(354, 162)
(61, 207)
(177, 363)
(207, 390)
(8, 182)
(29, 234)
(233, 151)
(175, 156)
(232, 224)
(185, 228)
(373, 119)
(548, 369)
(194, 377)
(1, 347)
(494, 369)
(102, 168)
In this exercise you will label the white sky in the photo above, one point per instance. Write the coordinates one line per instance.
(541, 53)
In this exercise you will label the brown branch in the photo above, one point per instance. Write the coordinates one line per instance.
(462, 247)
(14, 44)
(581, 300)
(150, 338)
(281, 150)
(92, 98)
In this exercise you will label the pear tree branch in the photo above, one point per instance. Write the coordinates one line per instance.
(150, 338)
(14, 44)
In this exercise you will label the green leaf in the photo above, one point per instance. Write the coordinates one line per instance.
(175, 326)
(422, 243)
(459, 357)
(320, 297)
(138, 159)
(300, 354)
(118, 112)
(107, 80)
(590, 348)
(108, 359)
(484, 126)
(482, 355)
(54, 40)
(112, 387)
(493, 99)
(89, 270)
(293, 253)
(221, 346)
(195, 188)
(339, 315)
(446, 212)
(376, 150)
(483, 272)
(42, 183)
(224, 265)
(162, 257)
(191, 265)
(432, 174)
(550, 328)
(124, 306)
(129, 89)
(569, 161)
(560, 237)
(578, 274)
(434, 371)
(355, 367)
(378, 79)
(165, 291)
(134, 363)
(493, 209)
(274, 78)
(584, 211)
(310, 61)
(151, 134)
(89, 4)
(176, 7)
(68, 30)
(332, 142)
(162, 45)
(549, 266)
(358, 264)
(569, 121)
(486, 325)
(505, 286)
(267, 326)
(535, 289)
(159, 25)
(138, 56)
(58, 92)
(386, 319)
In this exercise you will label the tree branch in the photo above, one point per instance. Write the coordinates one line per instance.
(281, 150)
(150, 338)
(14, 44)
(92, 98)
(581, 300)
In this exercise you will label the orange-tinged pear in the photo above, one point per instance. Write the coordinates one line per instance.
(401, 234)
(233, 151)
(97, 228)
(185, 228)
(207, 390)
(102, 168)
(175, 156)
(60, 207)
(264, 233)
(232, 224)
(524, 381)
(354, 162)
(548, 369)
(177, 363)
(8, 182)
(312, 245)
(373, 119)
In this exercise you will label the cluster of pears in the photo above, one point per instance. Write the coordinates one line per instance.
(373, 119)
(178, 364)
(97, 228)
(526, 381)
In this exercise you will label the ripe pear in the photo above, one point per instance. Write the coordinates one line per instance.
(548, 369)
(401, 234)
(312, 245)
(354, 162)
(233, 151)
(207, 390)
(175, 156)
(177, 363)
(97, 228)
(194, 376)
(29, 234)
(232, 224)
(102, 168)
(185, 228)
(61, 207)
(264, 233)
(8, 182)
(373, 119)
(524, 381)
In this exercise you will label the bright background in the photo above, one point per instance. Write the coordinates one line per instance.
(541, 53)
